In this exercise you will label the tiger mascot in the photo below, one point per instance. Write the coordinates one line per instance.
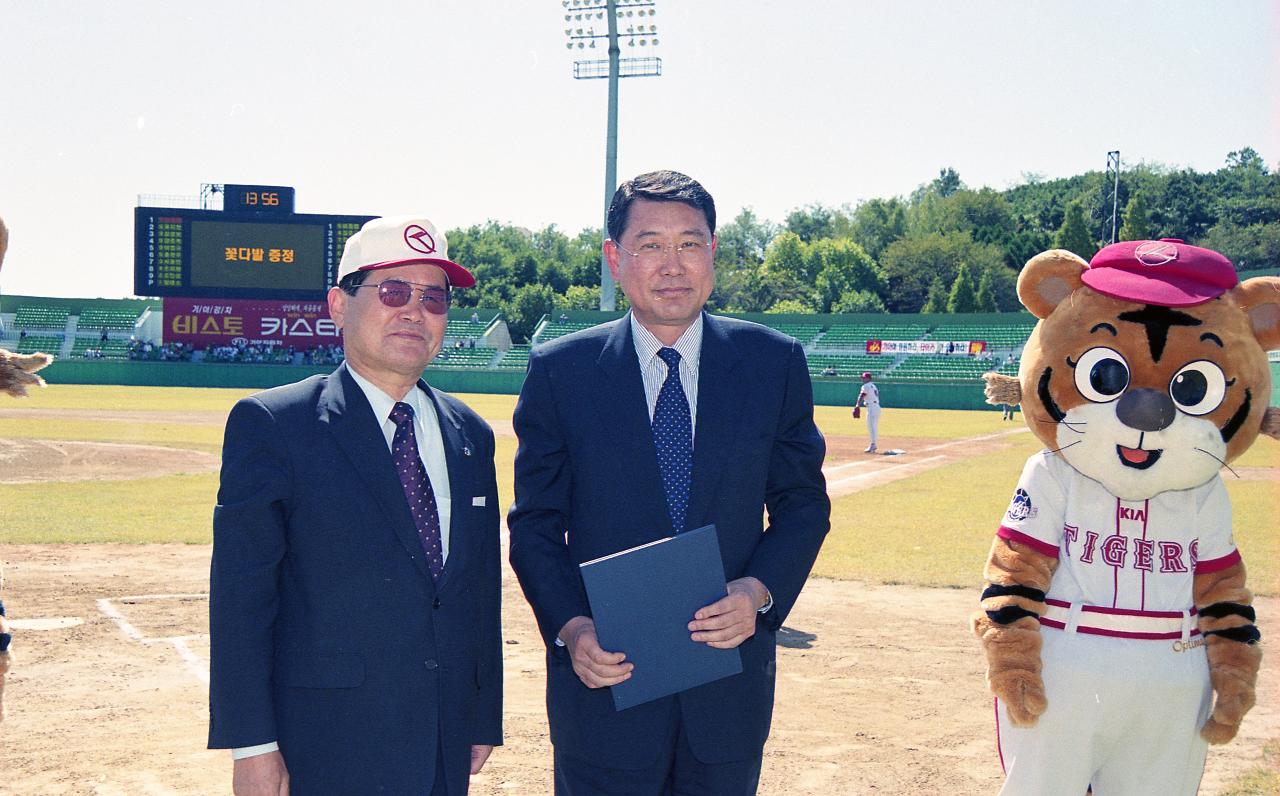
(1146, 374)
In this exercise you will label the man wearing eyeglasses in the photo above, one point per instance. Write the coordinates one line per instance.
(355, 636)
(664, 421)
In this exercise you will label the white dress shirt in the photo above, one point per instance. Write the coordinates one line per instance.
(426, 429)
(654, 371)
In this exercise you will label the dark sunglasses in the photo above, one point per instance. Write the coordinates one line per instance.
(397, 293)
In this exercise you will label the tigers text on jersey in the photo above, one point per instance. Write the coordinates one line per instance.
(1131, 554)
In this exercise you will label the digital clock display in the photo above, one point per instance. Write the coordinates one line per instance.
(257, 199)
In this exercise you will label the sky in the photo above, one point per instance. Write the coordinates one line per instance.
(466, 111)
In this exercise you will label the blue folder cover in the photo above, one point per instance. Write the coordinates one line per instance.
(642, 601)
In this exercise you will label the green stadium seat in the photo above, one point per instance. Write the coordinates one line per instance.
(109, 319)
(855, 336)
(995, 336)
(40, 317)
(848, 365)
(804, 333)
(926, 367)
(478, 357)
(96, 348)
(48, 343)
(553, 329)
(516, 357)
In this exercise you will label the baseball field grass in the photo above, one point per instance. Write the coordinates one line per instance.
(930, 529)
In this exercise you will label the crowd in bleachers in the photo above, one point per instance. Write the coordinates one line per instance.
(257, 353)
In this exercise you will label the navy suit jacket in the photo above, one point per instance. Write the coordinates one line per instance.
(328, 633)
(588, 484)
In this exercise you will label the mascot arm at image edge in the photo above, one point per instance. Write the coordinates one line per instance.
(17, 371)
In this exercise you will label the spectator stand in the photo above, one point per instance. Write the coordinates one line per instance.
(853, 337)
(59, 326)
(40, 328)
(102, 332)
(514, 358)
(997, 337)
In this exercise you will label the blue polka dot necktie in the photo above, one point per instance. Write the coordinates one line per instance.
(673, 437)
(417, 486)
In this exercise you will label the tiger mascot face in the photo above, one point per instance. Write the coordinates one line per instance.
(1148, 369)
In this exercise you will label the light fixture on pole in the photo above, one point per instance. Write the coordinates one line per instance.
(1113, 177)
(580, 20)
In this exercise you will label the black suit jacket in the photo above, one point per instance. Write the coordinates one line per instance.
(328, 633)
(587, 467)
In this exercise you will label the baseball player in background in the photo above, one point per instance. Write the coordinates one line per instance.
(869, 397)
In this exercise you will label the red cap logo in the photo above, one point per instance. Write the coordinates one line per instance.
(418, 239)
(1156, 252)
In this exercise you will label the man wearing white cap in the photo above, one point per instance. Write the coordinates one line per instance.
(355, 585)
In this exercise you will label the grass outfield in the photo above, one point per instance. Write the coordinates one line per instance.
(931, 529)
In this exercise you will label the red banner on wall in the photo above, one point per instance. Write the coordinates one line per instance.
(949, 347)
(203, 322)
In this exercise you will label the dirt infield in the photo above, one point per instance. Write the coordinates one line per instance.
(880, 687)
(29, 461)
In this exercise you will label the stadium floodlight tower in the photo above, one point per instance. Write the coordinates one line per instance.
(580, 20)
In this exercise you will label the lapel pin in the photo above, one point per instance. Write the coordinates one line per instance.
(466, 451)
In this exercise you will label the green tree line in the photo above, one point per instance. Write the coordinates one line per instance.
(945, 247)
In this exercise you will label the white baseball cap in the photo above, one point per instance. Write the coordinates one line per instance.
(400, 240)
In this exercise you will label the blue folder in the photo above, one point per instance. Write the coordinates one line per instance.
(642, 601)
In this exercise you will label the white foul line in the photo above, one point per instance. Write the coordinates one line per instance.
(189, 658)
(968, 440)
(194, 664)
(882, 471)
(829, 471)
(105, 606)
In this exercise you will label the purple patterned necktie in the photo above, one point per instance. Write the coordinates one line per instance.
(417, 486)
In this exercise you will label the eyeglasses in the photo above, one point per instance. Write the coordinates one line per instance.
(397, 292)
(689, 251)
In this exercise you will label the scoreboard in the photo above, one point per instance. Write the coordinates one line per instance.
(255, 247)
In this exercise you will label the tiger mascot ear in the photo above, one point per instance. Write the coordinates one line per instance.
(1260, 299)
(1047, 279)
(1045, 282)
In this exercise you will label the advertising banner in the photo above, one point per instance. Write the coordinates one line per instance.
(205, 322)
(951, 347)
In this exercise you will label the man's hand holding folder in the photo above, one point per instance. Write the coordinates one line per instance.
(728, 622)
(724, 624)
(595, 667)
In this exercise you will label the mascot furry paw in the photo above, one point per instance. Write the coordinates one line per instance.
(1116, 608)
(18, 372)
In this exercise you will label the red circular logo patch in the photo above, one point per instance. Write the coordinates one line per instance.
(1156, 253)
(418, 239)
